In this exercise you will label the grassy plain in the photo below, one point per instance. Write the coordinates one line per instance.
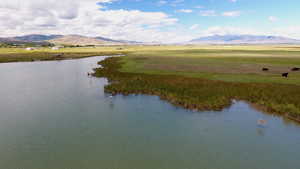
(227, 63)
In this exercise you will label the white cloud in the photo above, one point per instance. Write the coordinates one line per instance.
(162, 2)
(18, 17)
(289, 31)
(233, 0)
(199, 7)
(177, 2)
(184, 10)
(221, 30)
(273, 19)
(195, 26)
(171, 3)
(208, 13)
(231, 13)
(214, 13)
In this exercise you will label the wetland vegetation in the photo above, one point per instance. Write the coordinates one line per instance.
(210, 78)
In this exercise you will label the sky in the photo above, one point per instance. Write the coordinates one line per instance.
(150, 20)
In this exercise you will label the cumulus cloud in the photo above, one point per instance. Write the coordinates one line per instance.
(85, 17)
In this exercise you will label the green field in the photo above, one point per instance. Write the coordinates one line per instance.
(235, 64)
(194, 77)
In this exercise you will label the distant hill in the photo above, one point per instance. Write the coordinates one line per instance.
(13, 41)
(244, 39)
(107, 39)
(9, 40)
(64, 40)
(118, 41)
(83, 40)
(37, 37)
(77, 40)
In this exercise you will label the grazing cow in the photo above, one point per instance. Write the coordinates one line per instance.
(265, 69)
(58, 55)
(284, 74)
(295, 69)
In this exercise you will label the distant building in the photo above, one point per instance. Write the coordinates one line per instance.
(29, 49)
(55, 48)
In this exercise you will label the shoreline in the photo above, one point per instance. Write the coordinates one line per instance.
(199, 94)
(35, 57)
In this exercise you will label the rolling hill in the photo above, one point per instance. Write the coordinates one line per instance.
(37, 37)
(14, 41)
(63, 40)
(77, 40)
(244, 39)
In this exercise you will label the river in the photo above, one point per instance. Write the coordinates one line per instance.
(53, 116)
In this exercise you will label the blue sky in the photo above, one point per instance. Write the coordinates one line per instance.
(261, 14)
(150, 20)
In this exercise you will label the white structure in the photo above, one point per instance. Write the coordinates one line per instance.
(29, 49)
(55, 48)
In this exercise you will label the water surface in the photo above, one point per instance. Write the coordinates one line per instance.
(53, 116)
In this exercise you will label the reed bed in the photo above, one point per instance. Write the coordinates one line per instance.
(201, 94)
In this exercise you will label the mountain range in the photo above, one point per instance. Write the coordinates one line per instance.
(39, 39)
(243, 39)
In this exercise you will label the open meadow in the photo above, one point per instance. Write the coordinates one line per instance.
(226, 63)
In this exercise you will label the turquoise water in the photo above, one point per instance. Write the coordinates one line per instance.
(53, 116)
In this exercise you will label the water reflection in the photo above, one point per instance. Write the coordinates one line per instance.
(261, 131)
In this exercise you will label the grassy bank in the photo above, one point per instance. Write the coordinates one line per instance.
(12, 54)
(22, 55)
(182, 89)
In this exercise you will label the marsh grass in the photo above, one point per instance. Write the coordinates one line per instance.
(200, 94)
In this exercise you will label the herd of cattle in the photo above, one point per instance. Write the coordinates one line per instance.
(283, 74)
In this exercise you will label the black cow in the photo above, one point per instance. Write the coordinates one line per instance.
(265, 69)
(295, 69)
(284, 74)
(58, 55)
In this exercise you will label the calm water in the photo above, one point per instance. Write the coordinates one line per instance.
(52, 116)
